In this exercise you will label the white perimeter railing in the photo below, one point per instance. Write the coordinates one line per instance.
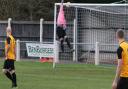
(75, 54)
(96, 49)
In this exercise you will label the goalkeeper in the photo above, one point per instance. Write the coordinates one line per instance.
(61, 33)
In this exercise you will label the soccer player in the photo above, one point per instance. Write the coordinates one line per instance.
(61, 33)
(9, 68)
(121, 78)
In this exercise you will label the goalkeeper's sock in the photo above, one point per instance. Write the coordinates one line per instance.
(8, 75)
(62, 45)
(14, 80)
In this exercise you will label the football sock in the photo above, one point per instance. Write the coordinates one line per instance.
(62, 45)
(14, 79)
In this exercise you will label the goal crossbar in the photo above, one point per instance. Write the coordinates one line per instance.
(88, 4)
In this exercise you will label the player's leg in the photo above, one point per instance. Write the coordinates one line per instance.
(13, 73)
(6, 70)
(62, 44)
(8, 75)
(68, 43)
(14, 79)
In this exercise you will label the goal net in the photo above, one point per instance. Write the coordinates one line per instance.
(95, 23)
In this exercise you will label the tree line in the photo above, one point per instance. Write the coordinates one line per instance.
(32, 10)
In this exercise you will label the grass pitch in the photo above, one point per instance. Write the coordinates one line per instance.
(35, 75)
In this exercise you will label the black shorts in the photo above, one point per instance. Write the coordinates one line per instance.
(123, 83)
(9, 64)
(61, 33)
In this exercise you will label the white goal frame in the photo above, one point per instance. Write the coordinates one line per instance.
(79, 5)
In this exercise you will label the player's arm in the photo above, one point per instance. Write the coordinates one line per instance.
(118, 70)
(15, 51)
(8, 47)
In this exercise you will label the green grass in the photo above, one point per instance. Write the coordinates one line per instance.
(35, 75)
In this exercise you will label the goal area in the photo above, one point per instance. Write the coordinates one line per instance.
(92, 31)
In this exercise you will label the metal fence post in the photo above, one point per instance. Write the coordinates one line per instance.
(41, 30)
(17, 50)
(97, 62)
